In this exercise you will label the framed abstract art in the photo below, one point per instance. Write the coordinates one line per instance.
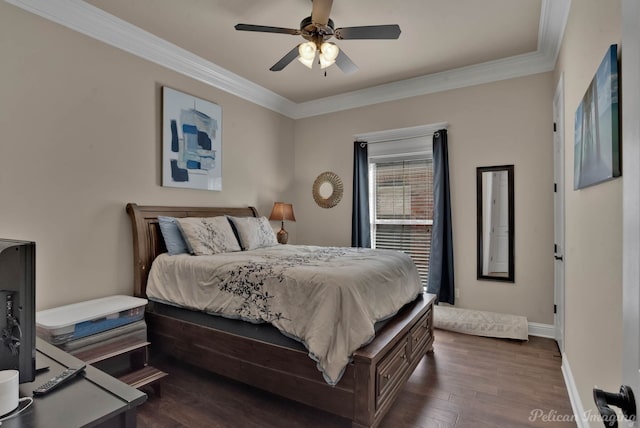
(191, 141)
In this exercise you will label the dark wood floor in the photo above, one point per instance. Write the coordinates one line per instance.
(468, 381)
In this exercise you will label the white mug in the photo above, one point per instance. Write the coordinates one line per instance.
(9, 382)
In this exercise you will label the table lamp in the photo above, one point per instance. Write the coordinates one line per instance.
(282, 212)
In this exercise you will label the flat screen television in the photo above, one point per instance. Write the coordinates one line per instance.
(17, 307)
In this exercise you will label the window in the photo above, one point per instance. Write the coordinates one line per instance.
(401, 199)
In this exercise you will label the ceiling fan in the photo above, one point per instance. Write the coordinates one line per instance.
(317, 29)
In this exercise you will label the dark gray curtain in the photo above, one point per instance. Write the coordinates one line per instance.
(360, 229)
(441, 280)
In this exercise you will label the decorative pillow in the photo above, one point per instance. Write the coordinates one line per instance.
(208, 235)
(172, 235)
(254, 232)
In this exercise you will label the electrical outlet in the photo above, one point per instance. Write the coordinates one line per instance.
(457, 293)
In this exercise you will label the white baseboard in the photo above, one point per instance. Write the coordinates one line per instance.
(580, 416)
(542, 330)
(574, 396)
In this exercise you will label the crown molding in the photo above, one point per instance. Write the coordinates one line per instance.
(98, 24)
(507, 68)
(553, 20)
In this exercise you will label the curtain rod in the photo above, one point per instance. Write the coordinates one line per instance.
(365, 143)
(400, 133)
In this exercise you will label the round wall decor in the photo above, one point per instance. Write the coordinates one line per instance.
(327, 189)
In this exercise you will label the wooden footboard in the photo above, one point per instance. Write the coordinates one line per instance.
(384, 366)
(365, 393)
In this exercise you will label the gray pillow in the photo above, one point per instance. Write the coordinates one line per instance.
(208, 235)
(254, 232)
(172, 235)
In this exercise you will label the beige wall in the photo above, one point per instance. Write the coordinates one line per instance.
(80, 128)
(508, 122)
(593, 278)
(80, 125)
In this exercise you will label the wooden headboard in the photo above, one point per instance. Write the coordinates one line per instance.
(147, 239)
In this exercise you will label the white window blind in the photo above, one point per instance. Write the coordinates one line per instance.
(401, 201)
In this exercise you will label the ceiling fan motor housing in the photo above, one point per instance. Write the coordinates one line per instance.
(315, 32)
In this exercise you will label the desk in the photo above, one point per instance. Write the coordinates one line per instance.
(94, 399)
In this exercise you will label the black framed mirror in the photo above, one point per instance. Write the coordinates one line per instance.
(495, 223)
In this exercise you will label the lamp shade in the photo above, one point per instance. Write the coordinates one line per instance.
(328, 54)
(307, 53)
(282, 211)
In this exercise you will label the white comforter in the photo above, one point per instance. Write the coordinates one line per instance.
(327, 297)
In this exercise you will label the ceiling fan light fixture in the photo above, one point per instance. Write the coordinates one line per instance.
(330, 51)
(328, 54)
(317, 29)
(306, 61)
(324, 63)
(307, 53)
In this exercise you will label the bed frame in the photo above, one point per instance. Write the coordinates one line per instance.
(370, 384)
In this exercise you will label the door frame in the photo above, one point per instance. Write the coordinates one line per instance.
(559, 217)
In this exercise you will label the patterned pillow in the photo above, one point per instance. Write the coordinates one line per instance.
(254, 232)
(208, 235)
(173, 238)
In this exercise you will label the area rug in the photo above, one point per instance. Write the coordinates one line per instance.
(481, 323)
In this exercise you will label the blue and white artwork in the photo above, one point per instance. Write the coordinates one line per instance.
(191, 142)
(597, 134)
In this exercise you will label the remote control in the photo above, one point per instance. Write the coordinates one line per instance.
(60, 379)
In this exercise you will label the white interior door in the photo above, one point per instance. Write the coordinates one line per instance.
(630, 54)
(558, 211)
(630, 107)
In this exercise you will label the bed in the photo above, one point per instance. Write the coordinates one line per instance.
(367, 387)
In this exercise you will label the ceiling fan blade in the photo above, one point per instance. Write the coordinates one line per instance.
(368, 32)
(345, 64)
(267, 29)
(293, 54)
(320, 11)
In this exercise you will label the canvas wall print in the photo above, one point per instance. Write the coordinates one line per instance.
(192, 141)
(597, 140)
